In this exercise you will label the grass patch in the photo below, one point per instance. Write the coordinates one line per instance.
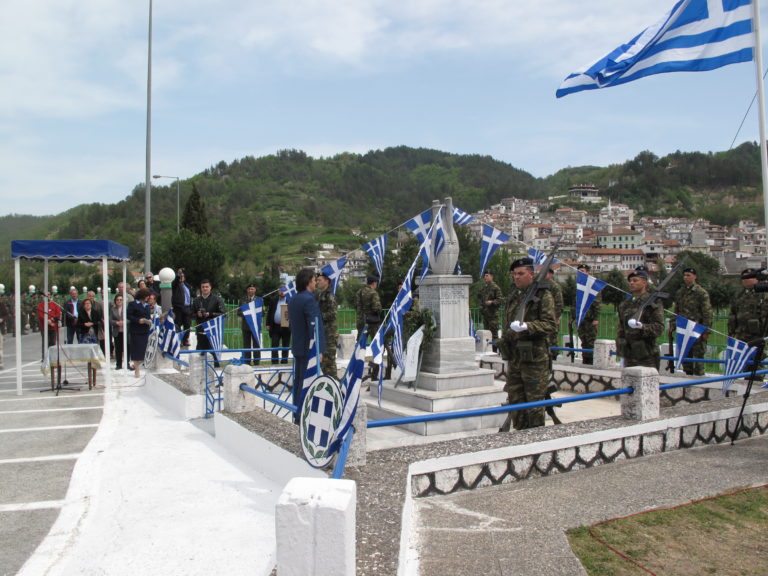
(726, 535)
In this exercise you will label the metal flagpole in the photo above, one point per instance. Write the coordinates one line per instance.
(761, 107)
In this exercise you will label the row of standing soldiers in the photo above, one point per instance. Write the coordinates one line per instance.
(525, 343)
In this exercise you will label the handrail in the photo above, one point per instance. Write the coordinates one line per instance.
(494, 409)
(270, 397)
(341, 460)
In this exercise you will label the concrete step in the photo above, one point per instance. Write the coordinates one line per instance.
(445, 401)
(390, 409)
(471, 379)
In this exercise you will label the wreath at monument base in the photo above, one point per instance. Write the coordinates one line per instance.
(416, 318)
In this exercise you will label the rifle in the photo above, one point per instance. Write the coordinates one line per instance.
(658, 294)
(671, 346)
(535, 285)
(571, 352)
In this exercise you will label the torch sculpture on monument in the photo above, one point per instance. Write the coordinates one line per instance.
(450, 378)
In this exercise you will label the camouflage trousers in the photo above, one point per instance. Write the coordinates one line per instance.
(587, 335)
(526, 382)
(491, 322)
(698, 350)
(328, 365)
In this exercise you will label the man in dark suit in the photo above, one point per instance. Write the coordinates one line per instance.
(181, 302)
(304, 314)
(71, 312)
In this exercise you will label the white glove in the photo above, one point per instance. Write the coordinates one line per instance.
(518, 326)
(634, 323)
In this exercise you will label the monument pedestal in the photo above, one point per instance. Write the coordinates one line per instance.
(450, 379)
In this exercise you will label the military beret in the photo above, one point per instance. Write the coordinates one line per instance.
(520, 262)
(584, 267)
(642, 268)
(691, 270)
(488, 271)
(371, 279)
(251, 285)
(638, 274)
(749, 273)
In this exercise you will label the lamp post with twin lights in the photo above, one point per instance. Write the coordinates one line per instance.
(156, 176)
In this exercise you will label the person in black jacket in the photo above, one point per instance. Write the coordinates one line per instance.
(205, 307)
(139, 324)
(181, 302)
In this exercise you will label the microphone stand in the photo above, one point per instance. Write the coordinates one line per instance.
(59, 384)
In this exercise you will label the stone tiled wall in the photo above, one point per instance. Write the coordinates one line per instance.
(648, 440)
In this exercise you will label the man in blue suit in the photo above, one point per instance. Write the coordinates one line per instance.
(304, 315)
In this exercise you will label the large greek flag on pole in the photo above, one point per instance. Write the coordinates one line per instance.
(587, 289)
(420, 225)
(253, 312)
(686, 333)
(695, 36)
(737, 354)
(214, 330)
(333, 271)
(492, 239)
(376, 249)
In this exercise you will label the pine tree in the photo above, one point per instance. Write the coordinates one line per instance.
(194, 218)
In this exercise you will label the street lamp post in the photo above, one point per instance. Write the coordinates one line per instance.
(156, 176)
(148, 184)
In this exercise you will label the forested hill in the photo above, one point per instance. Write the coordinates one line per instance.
(283, 205)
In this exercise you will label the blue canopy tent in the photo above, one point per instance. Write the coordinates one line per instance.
(62, 251)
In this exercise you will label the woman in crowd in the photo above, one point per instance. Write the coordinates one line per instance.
(116, 329)
(88, 324)
(139, 323)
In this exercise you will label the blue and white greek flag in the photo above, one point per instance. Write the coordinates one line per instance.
(376, 249)
(420, 225)
(538, 256)
(214, 331)
(333, 271)
(686, 333)
(438, 234)
(587, 289)
(492, 239)
(695, 36)
(737, 354)
(253, 313)
(289, 290)
(460, 217)
(403, 302)
(313, 364)
(169, 338)
(350, 388)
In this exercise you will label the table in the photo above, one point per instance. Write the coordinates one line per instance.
(72, 355)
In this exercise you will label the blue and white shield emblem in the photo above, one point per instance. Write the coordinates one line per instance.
(320, 417)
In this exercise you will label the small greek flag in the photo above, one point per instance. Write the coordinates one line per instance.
(376, 249)
(737, 354)
(350, 388)
(686, 333)
(438, 233)
(587, 289)
(253, 312)
(333, 271)
(214, 331)
(460, 217)
(313, 365)
(695, 36)
(169, 338)
(289, 290)
(420, 225)
(492, 239)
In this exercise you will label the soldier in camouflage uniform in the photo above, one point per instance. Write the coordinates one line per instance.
(692, 302)
(490, 298)
(368, 308)
(525, 345)
(587, 330)
(636, 337)
(327, 304)
(557, 295)
(748, 319)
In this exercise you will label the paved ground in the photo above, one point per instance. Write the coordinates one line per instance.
(150, 494)
(519, 529)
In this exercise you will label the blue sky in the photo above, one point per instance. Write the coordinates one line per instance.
(239, 78)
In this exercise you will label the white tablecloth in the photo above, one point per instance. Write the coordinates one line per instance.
(72, 354)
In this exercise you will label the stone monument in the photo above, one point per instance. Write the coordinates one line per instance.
(450, 378)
